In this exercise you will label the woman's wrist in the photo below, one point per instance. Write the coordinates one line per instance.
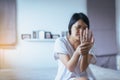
(84, 53)
(77, 53)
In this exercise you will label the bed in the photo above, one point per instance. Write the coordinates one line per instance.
(49, 74)
(104, 73)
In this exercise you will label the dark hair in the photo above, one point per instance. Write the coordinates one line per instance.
(75, 17)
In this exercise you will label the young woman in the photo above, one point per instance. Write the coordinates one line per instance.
(73, 52)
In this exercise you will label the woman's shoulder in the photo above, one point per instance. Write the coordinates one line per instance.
(61, 39)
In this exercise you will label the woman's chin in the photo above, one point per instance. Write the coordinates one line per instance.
(78, 39)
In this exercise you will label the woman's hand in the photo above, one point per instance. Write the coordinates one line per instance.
(87, 41)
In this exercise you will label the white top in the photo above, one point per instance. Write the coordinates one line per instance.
(63, 46)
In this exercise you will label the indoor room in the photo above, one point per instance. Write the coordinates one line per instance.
(30, 28)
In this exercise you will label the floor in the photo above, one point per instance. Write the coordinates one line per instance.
(29, 74)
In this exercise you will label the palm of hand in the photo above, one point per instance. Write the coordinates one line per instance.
(87, 41)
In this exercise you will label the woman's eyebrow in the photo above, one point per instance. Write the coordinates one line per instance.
(79, 25)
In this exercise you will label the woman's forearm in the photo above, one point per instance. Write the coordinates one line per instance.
(73, 62)
(84, 62)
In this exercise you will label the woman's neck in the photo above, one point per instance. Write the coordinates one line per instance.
(73, 42)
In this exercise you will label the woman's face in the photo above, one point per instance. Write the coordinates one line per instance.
(75, 30)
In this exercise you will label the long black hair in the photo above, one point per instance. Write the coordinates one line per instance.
(75, 17)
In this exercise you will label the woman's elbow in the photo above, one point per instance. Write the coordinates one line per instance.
(71, 69)
(83, 68)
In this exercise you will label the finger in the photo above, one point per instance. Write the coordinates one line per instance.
(81, 35)
(85, 44)
(90, 35)
(92, 40)
(86, 50)
(86, 47)
(87, 34)
(84, 35)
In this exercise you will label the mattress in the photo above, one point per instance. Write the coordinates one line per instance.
(104, 73)
(49, 74)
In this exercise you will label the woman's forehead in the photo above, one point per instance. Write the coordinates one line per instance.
(80, 23)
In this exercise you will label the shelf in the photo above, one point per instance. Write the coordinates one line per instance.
(40, 40)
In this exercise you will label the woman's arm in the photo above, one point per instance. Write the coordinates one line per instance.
(70, 63)
(85, 61)
(87, 42)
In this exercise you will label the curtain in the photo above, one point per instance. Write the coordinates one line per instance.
(102, 22)
(8, 26)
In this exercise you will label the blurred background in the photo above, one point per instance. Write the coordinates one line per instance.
(28, 29)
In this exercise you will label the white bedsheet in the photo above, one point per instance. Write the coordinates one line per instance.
(49, 74)
(104, 74)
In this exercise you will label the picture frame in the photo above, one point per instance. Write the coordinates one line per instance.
(25, 36)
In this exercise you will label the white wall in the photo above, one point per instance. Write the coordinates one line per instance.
(47, 15)
(39, 15)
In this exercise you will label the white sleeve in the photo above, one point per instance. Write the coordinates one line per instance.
(59, 47)
(92, 52)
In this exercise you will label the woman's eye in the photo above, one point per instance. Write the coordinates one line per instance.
(78, 27)
(84, 28)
